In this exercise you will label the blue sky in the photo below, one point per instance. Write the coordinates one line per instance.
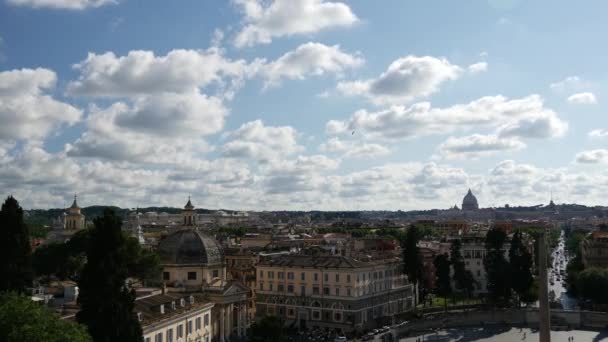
(306, 104)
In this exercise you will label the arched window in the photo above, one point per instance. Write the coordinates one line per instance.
(315, 304)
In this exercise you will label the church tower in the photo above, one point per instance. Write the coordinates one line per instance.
(74, 220)
(189, 214)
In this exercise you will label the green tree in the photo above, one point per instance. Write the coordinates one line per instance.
(442, 277)
(412, 260)
(268, 329)
(106, 303)
(592, 284)
(15, 248)
(463, 279)
(521, 267)
(23, 320)
(497, 267)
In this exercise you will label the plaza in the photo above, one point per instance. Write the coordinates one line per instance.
(504, 334)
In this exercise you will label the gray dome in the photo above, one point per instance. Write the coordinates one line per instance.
(190, 247)
(469, 202)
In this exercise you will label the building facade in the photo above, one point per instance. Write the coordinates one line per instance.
(594, 249)
(333, 292)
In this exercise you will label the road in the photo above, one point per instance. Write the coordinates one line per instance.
(560, 260)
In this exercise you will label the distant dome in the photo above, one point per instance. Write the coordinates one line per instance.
(469, 202)
(190, 247)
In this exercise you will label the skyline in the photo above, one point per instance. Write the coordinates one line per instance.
(310, 105)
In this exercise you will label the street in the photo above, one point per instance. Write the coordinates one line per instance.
(557, 276)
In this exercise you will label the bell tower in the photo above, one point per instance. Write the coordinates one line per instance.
(74, 220)
(189, 214)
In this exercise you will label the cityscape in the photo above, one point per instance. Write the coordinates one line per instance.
(303, 170)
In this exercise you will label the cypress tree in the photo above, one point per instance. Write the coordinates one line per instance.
(497, 266)
(521, 266)
(106, 303)
(442, 275)
(412, 260)
(15, 248)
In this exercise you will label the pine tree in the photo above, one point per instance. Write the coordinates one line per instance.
(442, 276)
(521, 267)
(412, 260)
(497, 267)
(105, 301)
(15, 249)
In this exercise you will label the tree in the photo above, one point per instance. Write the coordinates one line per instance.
(521, 267)
(592, 284)
(15, 248)
(442, 276)
(269, 329)
(106, 303)
(463, 278)
(412, 260)
(496, 266)
(23, 320)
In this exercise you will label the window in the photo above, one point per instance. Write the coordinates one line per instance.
(198, 323)
(326, 291)
(261, 274)
(280, 275)
(170, 335)
(290, 275)
(316, 277)
(478, 273)
(348, 278)
(303, 276)
(270, 286)
(290, 288)
(337, 277)
(180, 331)
(189, 327)
(326, 277)
(348, 292)
(337, 291)
(206, 320)
(280, 288)
(303, 290)
(315, 290)
(291, 312)
(338, 317)
(159, 337)
(316, 315)
(261, 287)
(216, 273)
(191, 275)
(271, 274)
(148, 339)
(166, 276)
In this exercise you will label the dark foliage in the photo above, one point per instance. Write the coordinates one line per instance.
(15, 249)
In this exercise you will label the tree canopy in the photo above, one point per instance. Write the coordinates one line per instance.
(15, 248)
(268, 329)
(521, 266)
(23, 320)
(497, 267)
(106, 302)
(463, 278)
(592, 284)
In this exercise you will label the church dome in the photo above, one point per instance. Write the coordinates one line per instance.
(469, 202)
(190, 247)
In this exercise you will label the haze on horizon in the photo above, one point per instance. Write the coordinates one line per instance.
(308, 105)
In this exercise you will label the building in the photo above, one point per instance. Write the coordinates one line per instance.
(194, 262)
(594, 249)
(333, 292)
(173, 317)
(469, 202)
(74, 219)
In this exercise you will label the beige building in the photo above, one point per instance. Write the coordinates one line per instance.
(74, 219)
(594, 249)
(173, 317)
(194, 262)
(334, 292)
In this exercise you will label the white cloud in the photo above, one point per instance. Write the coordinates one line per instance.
(405, 79)
(309, 59)
(265, 20)
(566, 83)
(582, 98)
(526, 117)
(26, 111)
(62, 4)
(592, 156)
(598, 133)
(477, 145)
(478, 67)
(143, 73)
(254, 140)
(351, 149)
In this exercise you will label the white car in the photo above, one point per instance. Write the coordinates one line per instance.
(340, 339)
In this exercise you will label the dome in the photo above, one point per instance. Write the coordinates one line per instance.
(469, 202)
(190, 247)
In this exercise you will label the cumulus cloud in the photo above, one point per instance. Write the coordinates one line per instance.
(478, 67)
(478, 145)
(143, 73)
(592, 156)
(582, 98)
(598, 133)
(351, 149)
(405, 79)
(26, 110)
(254, 140)
(62, 4)
(309, 59)
(265, 20)
(526, 117)
(567, 83)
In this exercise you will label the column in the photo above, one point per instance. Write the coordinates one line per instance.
(544, 310)
(227, 331)
(222, 328)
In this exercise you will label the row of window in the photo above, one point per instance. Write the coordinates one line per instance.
(364, 276)
(191, 275)
(316, 290)
(180, 330)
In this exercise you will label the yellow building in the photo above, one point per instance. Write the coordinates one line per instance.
(172, 317)
(74, 219)
(334, 292)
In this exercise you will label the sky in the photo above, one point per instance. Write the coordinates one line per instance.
(303, 104)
